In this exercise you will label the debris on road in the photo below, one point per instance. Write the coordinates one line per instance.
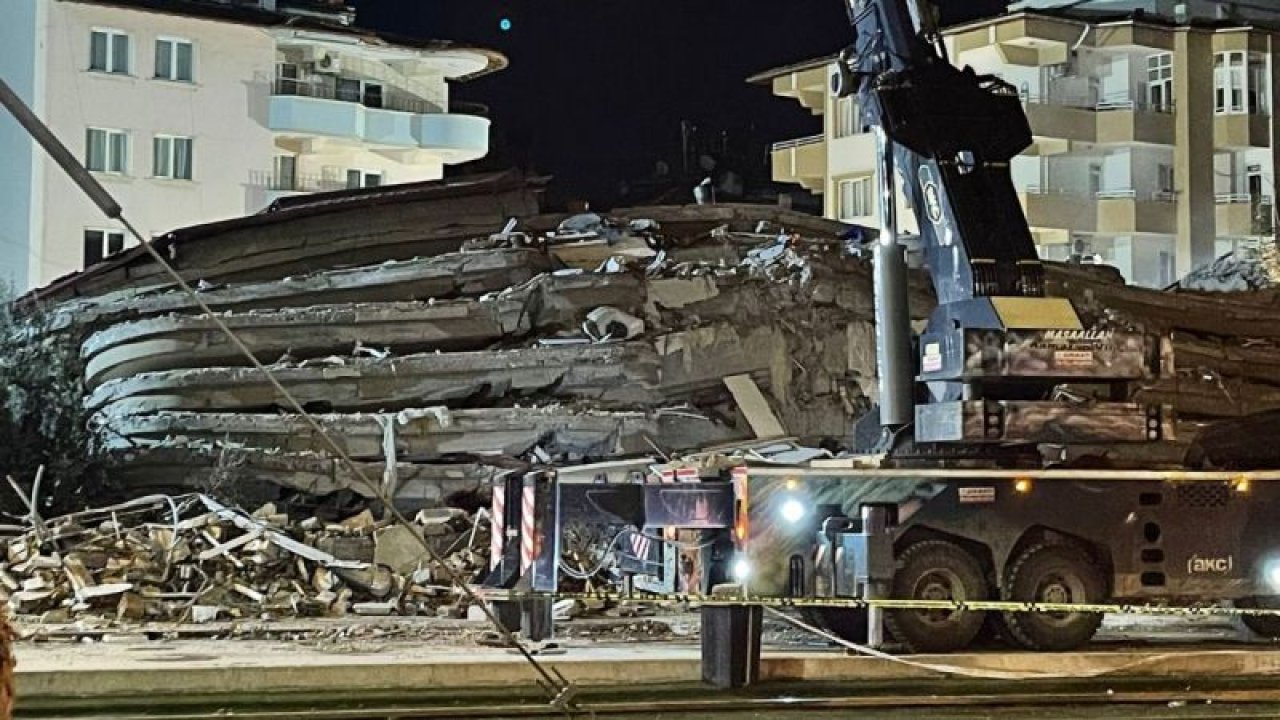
(192, 558)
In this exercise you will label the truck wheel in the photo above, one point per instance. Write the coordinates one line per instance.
(936, 570)
(1264, 625)
(849, 624)
(1054, 573)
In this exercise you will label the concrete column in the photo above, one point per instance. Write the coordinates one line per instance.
(1193, 151)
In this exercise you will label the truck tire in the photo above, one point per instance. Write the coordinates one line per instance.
(1267, 626)
(1054, 573)
(937, 570)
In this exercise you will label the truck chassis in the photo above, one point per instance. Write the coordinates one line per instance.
(1044, 536)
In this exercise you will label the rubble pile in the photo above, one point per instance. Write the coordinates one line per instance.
(556, 339)
(1223, 348)
(445, 335)
(191, 558)
(1238, 271)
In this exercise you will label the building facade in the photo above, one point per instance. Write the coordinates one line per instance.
(192, 111)
(1154, 140)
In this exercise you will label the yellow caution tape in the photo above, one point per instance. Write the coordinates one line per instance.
(855, 603)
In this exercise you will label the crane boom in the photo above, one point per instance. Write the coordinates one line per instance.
(996, 347)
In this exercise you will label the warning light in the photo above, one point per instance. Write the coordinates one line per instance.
(793, 511)
(1242, 485)
(504, 24)
(1022, 485)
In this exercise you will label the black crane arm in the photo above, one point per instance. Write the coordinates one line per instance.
(986, 369)
(954, 133)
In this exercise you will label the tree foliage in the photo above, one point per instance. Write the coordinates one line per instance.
(43, 421)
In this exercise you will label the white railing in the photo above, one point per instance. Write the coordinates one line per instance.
(1128, 101)
(1233, 198)
(1058, 191)
(798, 142)
(1056, 98)
(1160, 196)
(282, 182)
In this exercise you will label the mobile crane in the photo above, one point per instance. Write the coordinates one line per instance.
(946, 495)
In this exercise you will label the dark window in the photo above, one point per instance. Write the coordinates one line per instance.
(348, 90)
(101, 244)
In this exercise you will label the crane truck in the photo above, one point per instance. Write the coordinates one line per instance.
(945, 493)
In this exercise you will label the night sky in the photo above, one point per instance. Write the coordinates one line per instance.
(597, 89)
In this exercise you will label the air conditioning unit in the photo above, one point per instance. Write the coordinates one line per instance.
(328, 63)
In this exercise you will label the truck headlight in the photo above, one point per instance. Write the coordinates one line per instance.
(793, 511)
(1271, 574)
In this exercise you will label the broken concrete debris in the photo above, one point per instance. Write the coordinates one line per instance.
(461, 363)
(1249, 268)
(193, 558)
(441, 355)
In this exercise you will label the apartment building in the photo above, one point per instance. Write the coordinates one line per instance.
(197, 110)
(1154, 135)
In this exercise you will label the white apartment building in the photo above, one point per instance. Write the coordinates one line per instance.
(1154, 140)
(190, 111)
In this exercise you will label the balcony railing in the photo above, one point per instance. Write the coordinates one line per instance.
(1126, 101)
(378, 99)
(1233, 198)
(1163, 196)
(798, 142)
(1043, 190)
(1056, 99)
(281, 182)
(1106, 103)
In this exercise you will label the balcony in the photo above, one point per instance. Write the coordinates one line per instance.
(807, 85)
(266, 187)
(1119, 118)
(1050, 122)
(1126, 211)
(1245, 215)
(1060, 210)
(1123, 119)
(1240, 131)
(802, 161)
(310, 110)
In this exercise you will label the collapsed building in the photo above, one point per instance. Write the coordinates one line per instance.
(445, 334)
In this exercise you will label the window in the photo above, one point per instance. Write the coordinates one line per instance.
(348, 90)
(285, 173)
(109, 52)
(172, 157)
(1165, 276)
(107, 150)
(1258, 84)
(174, 59)
(99, 244)
(1229, 80)
(1160, 81)
(1165, 179)
(363, 179)
(855, 198)
(847, 117)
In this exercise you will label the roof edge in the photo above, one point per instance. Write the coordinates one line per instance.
(765, 76)
(495, 61)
